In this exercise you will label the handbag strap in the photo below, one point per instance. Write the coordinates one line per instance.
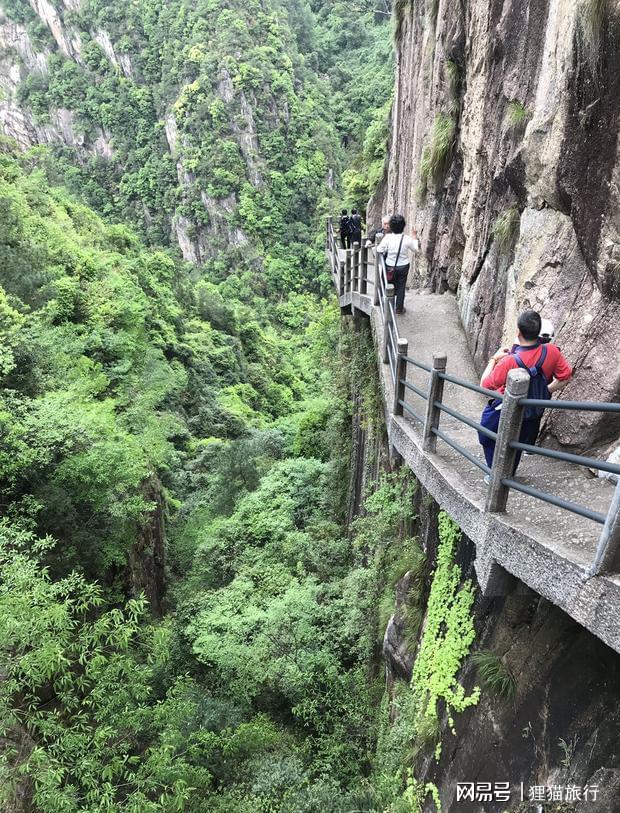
(400, 245)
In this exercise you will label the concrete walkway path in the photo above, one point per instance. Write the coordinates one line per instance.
(431, 324)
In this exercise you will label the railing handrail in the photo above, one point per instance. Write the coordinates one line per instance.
(591, 406)
(461, 382)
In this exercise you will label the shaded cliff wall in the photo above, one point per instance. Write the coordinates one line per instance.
(561, 727)
(505, 154)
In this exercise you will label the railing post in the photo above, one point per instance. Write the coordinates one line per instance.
(356, 268)
(363, 270)
(347, 266)
(401, 375)
(341, 276)
(511, 417)
(607, 556)
(390, 293)
(435, 393)
(375, 299)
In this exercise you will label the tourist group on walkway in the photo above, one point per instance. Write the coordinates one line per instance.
(533, 349)
(396, 246)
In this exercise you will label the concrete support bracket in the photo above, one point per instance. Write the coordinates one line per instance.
(435, 394)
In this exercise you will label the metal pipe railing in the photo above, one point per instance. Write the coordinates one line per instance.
(464, 419)
(531, 491)
(567, 457)
(473, 387)
(413, 388)
(591, 406)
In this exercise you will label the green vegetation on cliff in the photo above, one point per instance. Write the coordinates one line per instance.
(163, 423)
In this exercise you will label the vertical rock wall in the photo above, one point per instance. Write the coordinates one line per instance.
(515, 105)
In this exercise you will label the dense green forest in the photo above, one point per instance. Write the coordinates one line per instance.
(187, 623)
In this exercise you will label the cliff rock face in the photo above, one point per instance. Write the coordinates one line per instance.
(146, 564)
(18, 58)
(505, 154)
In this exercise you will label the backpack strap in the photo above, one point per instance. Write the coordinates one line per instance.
(536, 369)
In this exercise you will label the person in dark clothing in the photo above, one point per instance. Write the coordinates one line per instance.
(345, 229)
(355, 225)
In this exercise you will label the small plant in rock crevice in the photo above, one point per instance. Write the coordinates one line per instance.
(437, 152)
(494, 674)
(517, 115)
(506, 228)
(453, 81)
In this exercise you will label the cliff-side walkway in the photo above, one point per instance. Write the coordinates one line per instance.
(534, 543)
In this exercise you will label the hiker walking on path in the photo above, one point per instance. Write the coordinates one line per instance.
(397, 246)
(355, 227)
(345, 229)
(549, 372)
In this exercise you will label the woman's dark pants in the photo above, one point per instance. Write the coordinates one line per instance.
(399, 282)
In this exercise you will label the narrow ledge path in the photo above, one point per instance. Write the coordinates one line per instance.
(547, 549)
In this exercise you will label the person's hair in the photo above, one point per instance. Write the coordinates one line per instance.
(344, 212)
(529, 325)
(397, 225)
(353, 211)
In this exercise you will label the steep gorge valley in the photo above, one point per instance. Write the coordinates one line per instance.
(219, 592)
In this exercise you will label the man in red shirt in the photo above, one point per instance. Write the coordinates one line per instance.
(555, 369)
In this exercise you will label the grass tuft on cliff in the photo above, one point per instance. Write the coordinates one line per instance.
(437, 152)
(506, 228)
(494, 675)
(517, 114)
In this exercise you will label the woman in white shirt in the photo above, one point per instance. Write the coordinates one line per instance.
(397, 247)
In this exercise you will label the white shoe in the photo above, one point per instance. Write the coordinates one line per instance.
(487, 479)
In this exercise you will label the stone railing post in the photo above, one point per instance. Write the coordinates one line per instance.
(401, 375)
(347, 267)
(387, 318)
(607, 556)
(435, 393)
(356, 268)
(341, 276)
(511, 417)
(363, 271)
(375, 299)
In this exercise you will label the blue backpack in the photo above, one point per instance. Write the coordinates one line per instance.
(539, 386)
